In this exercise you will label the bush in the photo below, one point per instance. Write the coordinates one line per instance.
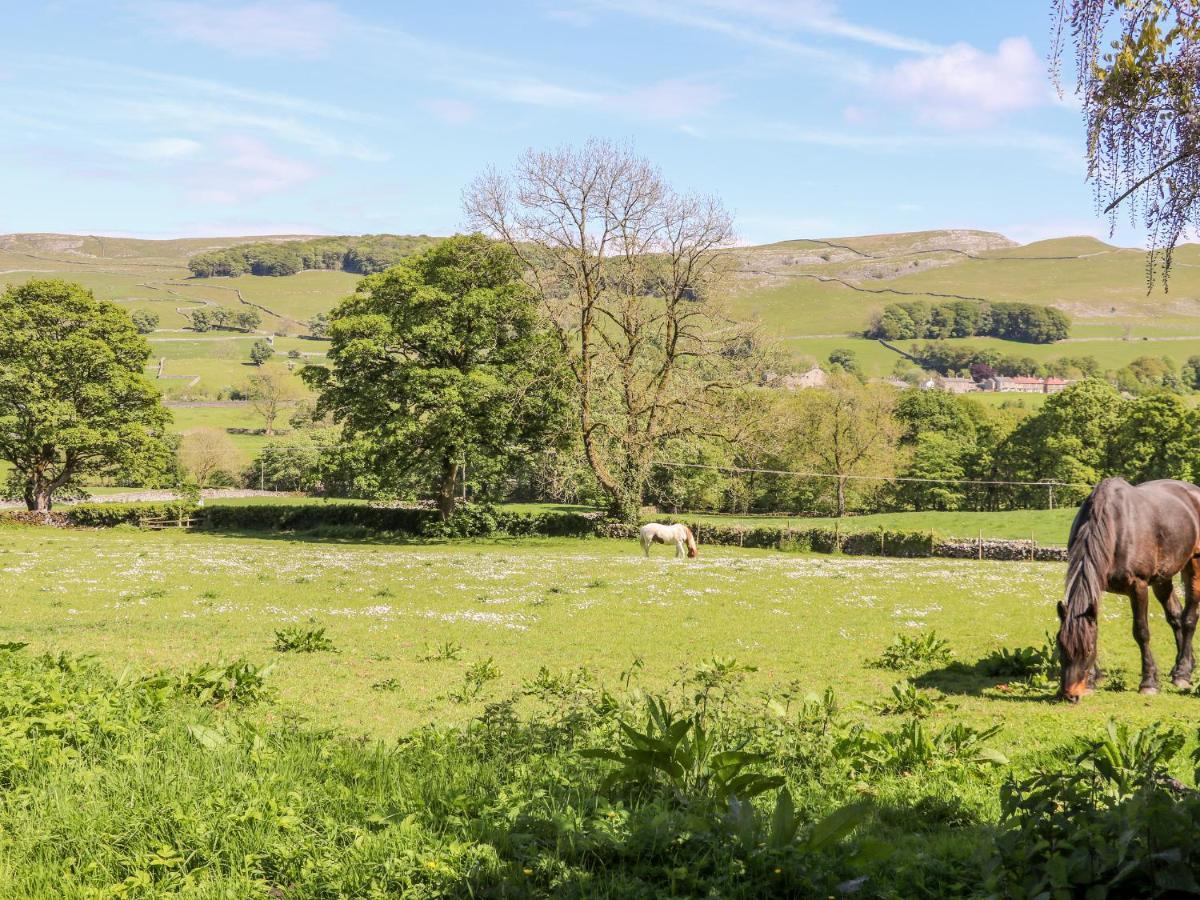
(295, 639)
(907, 652)
(468, 521)
(108, 515)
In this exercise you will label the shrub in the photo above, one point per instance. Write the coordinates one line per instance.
(909, 652)
(107, 515)
(238, 682)
(1022, 662)
(1112, 825)
(295, 639)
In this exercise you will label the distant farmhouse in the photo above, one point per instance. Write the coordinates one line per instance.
(1020, 384)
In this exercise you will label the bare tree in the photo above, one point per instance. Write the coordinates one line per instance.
(1138, 81)
(269, 391)
(204, 452)
(626, 269)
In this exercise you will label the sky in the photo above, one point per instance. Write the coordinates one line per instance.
(808, 118)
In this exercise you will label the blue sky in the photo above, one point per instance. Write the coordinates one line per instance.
(163, 118)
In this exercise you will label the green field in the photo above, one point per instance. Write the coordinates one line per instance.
(153, 600)
(433, 747)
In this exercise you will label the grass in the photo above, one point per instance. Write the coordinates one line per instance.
(170, 599)
(872, 704)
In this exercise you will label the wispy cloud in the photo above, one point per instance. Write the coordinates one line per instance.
(963, 87)
(192, 108)
(171, 149)
(245, 170)
(452, 112)
(771, 24)
(263, 28)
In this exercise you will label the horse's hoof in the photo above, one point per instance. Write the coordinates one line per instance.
(1148, 689)
(1182, 683)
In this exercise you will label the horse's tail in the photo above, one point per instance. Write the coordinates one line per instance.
(1090, 554)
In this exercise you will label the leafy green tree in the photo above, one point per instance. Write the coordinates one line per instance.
(1155, 439)
(847, 359)
(261, 351)
(940, 458)
(291, 464)
(144, 320)
(318, 325)
(441, 359)
(922, 412)
(247, 320)
(1067, 441)
(74, 399)
(202, 320)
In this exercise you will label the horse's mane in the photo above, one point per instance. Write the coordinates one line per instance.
(1091, 548)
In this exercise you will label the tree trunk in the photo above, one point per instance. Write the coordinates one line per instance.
(841, 497)
(446, 498)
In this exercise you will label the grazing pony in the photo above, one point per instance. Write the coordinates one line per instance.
(679, 535)
(1130, 540)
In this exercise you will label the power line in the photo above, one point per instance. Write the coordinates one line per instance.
(740, 470)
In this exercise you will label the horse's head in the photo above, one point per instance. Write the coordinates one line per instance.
(1077, 650)
(691, 542)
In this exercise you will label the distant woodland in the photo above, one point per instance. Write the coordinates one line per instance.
(363, 255)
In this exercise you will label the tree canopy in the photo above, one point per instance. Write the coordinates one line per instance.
(441, 359)
(1135, 63)
(74, 399)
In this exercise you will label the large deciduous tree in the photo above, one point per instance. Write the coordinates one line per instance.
(625, 268)
(74, 399)
(1138, 81)
(442, 358)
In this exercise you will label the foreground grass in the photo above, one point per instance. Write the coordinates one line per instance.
(487, 667)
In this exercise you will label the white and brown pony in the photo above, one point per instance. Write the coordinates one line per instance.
(679, 535)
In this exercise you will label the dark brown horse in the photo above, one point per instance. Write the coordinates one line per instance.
(1131, 540)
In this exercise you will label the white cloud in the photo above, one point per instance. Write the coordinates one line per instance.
(815, 17)
(670, 99)
(262, 28)
(249, 169)
(160, 149)
(772, 24)
(452, 112)
(964, 87)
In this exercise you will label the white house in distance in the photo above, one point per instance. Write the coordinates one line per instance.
(1019, 384)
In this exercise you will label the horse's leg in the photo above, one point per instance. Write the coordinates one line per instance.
(1191, 611)
(678, 549)
(1165, 592)
(1139, 599)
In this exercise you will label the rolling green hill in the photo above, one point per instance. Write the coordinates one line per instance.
(813, 296)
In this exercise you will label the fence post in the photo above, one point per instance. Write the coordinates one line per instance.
(981, 543)
(881, 550)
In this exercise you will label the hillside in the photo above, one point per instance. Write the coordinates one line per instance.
(813, 295)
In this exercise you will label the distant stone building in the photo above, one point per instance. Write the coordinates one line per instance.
(951, 384)
(1026, 384)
